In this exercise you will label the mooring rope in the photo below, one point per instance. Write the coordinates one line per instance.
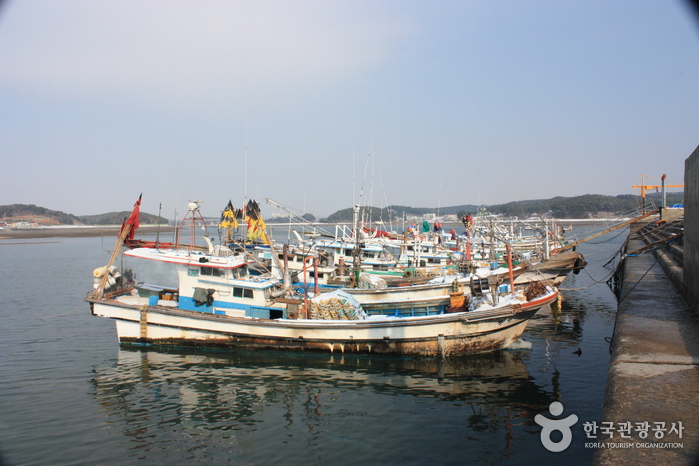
(65, 313)
(657, 259)
(621, 231)
(594, 281)
(643, 235)
(621, 299)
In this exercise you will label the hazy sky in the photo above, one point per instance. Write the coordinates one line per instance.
(420, 103)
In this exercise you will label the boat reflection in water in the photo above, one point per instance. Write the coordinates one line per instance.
(280, 407)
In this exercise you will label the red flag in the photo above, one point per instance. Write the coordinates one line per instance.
(133, 220)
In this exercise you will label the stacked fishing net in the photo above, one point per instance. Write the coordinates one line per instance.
(431, 271)
(368, 281)
(535, 290)
(336, 305)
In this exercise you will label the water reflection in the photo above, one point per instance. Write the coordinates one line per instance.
(66, 384)
(250, 401)
(288, 408)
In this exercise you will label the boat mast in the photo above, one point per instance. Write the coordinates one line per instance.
(193, 214)
(356, 254)
(127, 227)
(160, 210)
(245, 184)
(546, 244)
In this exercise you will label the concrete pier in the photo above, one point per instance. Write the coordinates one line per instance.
(654, 369)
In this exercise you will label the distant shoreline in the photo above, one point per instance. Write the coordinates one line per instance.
(113, 230)
(75, 232)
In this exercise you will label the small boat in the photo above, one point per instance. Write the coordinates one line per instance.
(215, 302)
(555, 269)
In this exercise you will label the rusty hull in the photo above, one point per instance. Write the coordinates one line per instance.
(437, 346)
(468, 332)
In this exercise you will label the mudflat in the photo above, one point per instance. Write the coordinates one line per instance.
(74, 232)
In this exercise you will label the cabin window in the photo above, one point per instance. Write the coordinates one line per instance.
(212, 272)
(433, 261)
(369, 255)
(242, 292)
(192, 272)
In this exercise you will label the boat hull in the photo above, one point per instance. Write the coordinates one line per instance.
(443, 335)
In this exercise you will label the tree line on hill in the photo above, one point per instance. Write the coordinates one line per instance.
(35, 214)
(557, 207)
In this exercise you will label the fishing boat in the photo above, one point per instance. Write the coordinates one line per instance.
(215, 302)
(555, 269)
(419, 255)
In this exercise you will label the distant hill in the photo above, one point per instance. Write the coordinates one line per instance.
(115, 218)
(589, 205)
(33, 214)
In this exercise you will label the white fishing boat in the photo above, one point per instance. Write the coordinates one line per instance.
(215, 302)
(419, 255)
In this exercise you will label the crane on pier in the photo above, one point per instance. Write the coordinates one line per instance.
(645, 187)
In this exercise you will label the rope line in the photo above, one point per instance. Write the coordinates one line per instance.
(594, 282)
(611, 340)
(640, 279)
(597, 282)
(65, 313)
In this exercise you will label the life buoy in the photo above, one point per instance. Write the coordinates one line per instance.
(292, 315)
(408, 273)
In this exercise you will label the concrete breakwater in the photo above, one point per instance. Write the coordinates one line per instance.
(653, 380)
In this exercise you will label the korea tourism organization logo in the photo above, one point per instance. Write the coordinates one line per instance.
(551, 425)
(607, 434)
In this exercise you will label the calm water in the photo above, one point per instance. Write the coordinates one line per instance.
(70, 395)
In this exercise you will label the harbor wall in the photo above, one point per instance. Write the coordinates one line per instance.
(653, 373)
(691, 230)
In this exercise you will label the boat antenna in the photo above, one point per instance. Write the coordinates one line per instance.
(354, 199)
(245, 193)
(361, 189)
(157, 234)
(160, 209)
(385, 200)
(176, 232)
(371, 185)
(439, 199)
(366, 167)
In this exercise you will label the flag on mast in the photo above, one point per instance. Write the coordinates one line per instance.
(133, 220)
(228, 217)
(256, 226)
